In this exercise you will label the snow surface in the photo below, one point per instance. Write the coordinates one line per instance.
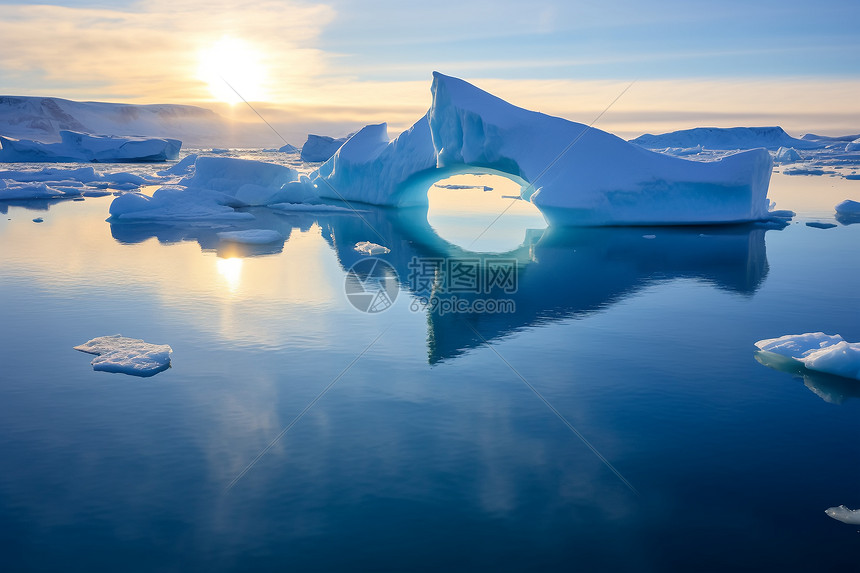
(117, 353)
(320, 147)
(817, 351)
(368, 248)
(726, 138)
(252, 236)
(83, 147)
(843, 514)
(574, 171)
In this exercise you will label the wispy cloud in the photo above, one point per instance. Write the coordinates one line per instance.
(151, 49)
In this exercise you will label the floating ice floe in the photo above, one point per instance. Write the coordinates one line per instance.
(848, 207)
(816, 351)
(84, 147)
(320, 147)
(123, 355)
(575, 174)
(252, 236)
(843, 514)
(726, 138)
(14, 190)
(368, 248)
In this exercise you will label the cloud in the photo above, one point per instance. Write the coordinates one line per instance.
(150, 51)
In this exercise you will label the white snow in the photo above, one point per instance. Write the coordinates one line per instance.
(117, 353)
(848, 207)
(843, 514)
(320, 147)
(726, 138)
(252, 236)
(368, 248)
(817, 351)
(82, 147)
(599, 180)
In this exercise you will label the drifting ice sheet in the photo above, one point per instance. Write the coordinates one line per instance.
(84, 147)
(817, 351)
(123, 355)
(843, 514)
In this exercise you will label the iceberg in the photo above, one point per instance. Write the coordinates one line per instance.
(843, 514)
(574, 174)
(319, 147)
(123, 355)
(14, 190)
(786, 155)
(83, 147)
(848, 207)
(816, 351)
(853, 146)
(248, 181)
(287, 148)
(726, 138)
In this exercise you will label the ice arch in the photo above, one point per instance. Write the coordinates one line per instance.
(600, 180)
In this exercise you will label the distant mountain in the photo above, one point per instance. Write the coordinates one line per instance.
(42, 118)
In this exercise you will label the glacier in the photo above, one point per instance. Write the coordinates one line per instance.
(83, 147)
(573, 173)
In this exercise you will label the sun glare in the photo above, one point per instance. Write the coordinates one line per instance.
(233, 70)
(231, 270)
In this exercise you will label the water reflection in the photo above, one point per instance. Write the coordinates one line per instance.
(830, 388)
(560, 272)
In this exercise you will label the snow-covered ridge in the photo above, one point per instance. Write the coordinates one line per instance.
(726, 138)
(42, 119)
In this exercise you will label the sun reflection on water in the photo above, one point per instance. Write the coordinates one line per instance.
(231, 270)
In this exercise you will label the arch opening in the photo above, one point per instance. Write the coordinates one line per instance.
(482, 212)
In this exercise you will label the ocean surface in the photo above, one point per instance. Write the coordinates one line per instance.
(608, 414)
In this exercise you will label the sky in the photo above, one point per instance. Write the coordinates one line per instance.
(334, 66)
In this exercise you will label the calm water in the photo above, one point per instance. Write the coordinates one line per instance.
(432, 450)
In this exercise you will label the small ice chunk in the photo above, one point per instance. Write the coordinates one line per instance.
(368, 248)
(252, 236)
(786, 155)
(843, 514)
(38, 220)
(817, 351)
(117, 353)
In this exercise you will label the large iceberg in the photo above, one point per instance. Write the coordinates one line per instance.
(83, 147)
(573, 173)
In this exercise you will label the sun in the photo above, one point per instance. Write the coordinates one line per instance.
(233, 70)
